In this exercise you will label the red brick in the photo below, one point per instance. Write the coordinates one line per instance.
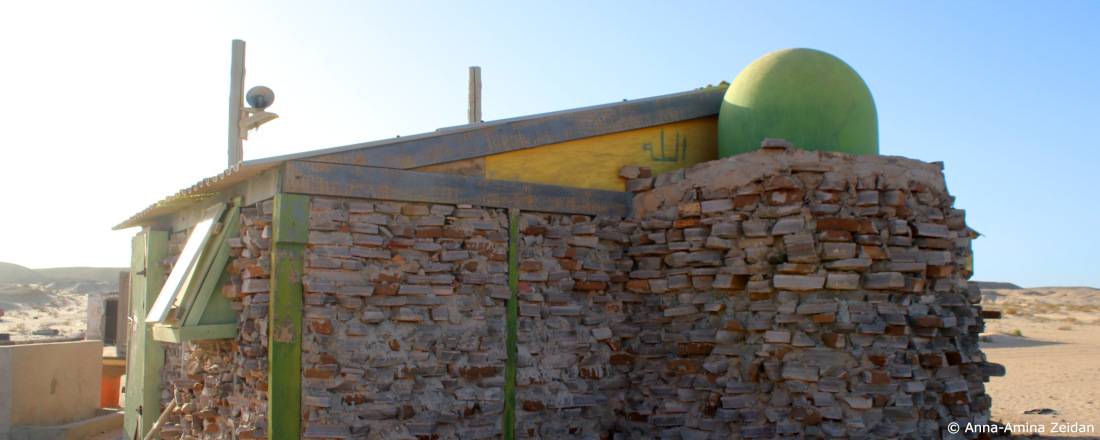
(745, 200)
(825, 318)
(842, 224)
(637, 285)
(429, 233)
(694, 348)
(682, 366)
(621, 359)
(318, 373)
(570, 264)
(534, 230)
(471, 372)
(533, 405)
(321, 327)
(590, 285)
(689, 223)
(875, 377)
(874, 252)
(939, 271)
(689, 209)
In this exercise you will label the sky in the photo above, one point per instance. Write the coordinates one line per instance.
(107, 107)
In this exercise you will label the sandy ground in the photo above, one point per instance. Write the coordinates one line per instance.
(117, 434)
(1050, 346)
(30, 307)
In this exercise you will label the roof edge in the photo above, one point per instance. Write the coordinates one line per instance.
(405, 152)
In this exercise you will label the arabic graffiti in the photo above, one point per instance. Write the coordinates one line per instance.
(679, 151)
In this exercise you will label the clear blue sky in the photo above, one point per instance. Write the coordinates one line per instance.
(107, 107)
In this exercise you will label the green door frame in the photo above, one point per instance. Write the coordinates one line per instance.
(146, 355)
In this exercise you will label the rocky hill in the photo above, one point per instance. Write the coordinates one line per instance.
(15, 274)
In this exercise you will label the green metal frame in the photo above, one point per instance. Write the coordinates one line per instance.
(284, 368)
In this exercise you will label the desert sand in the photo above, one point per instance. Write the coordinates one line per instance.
(1049, 342)
(31, 307)
(50, 299)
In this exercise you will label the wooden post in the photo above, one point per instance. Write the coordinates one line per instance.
(475, 95)
(284, 359)
(512, 323)
(122, 327)
(236, 101)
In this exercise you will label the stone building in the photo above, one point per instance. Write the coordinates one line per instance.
(595, 273)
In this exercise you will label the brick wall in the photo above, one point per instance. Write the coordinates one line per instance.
(221, 385)
(573, 312)
(404, 320)
(792, 292)
(778, 293)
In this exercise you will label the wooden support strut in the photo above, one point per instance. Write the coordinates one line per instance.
(414, 186)
(512, 323)
(291, 231)
(160, 420)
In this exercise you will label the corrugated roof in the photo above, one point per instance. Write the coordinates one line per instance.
(251, 168)
(199, 191)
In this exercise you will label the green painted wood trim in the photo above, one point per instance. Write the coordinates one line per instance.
(512, 321)
(218, 308)
(135, 353)
(166, 333)
(529, 132)
(204, 264)
(284, 397)
(146, 356)
(213, 331)
(187, 270)
(155, 274)
(219, 254)
(291, 219)
(415, 186)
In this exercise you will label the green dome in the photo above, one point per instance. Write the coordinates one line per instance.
(805, 96)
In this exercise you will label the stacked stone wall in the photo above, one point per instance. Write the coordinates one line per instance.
(799, 293)
(404, 326)
(573, 313)
(775, 294)
(221, 385)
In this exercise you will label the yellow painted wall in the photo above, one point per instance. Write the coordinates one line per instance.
(595, 162)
